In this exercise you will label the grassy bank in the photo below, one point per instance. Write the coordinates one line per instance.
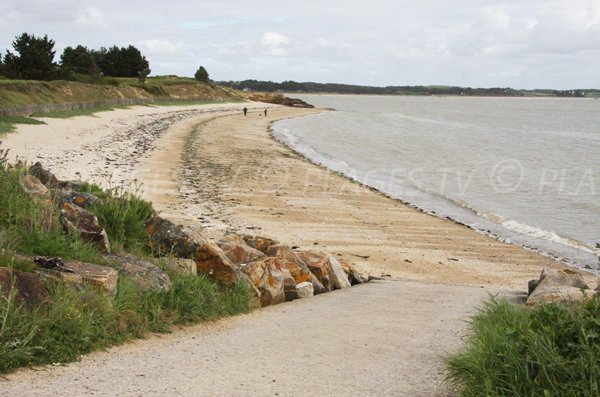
(80, 321)
(14, 93)
(548, 350)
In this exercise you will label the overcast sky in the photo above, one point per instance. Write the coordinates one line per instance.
(517, 43)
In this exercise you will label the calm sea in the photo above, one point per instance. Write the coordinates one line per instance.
(526, 170)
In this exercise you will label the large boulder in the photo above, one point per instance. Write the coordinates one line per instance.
(30, 288)
(77, 221)
(268, 277)
(299, 270)
(179, 265)
(338, 275)
(33, 186)
(319, 266)
(558, 285)
(260, 243)
(45, 176)
(167, 238)
(146, 275)
(211, 260)
(79, 274)
(326, 269)
(241, 253)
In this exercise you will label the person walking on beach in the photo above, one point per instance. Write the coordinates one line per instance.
(245, 110)
(265, 112)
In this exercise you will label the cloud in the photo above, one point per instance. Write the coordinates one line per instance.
(89, 16)
(155, 46)
(275, 43)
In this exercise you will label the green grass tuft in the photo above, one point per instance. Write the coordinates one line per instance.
(123, 215)
(547, 350)
(78, 112)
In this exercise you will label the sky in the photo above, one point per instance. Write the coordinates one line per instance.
(478, 43)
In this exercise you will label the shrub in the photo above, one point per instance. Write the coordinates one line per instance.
(548, 350)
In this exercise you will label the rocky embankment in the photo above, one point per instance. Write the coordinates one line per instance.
(274, 271)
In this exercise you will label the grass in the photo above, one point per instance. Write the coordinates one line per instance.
(78, 322)
(123, 215)
(31, 225)
(547, 350)
(7, 123)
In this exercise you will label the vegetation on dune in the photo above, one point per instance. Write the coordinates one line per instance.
(547, 350)
(77, 321)
(201, 75)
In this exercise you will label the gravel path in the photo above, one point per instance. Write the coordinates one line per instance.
(386, 338)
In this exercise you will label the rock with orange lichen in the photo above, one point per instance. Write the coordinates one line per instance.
(212, 261)
(268, 276)
(298, 269)
(77, 221)
(241, 253)
(260, 243)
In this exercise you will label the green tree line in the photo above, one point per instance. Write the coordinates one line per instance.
(311, 87)
(33, 58)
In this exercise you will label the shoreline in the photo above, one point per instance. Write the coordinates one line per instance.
(591, 267)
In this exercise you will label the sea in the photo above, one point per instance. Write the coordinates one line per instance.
(523, 170)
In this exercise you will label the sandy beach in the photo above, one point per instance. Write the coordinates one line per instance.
(219, 172)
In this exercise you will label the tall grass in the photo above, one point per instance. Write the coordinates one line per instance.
(32, 225)
(123, 215)
(80, 321)
(548, 350)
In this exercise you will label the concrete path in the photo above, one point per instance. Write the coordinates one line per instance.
(387, 338)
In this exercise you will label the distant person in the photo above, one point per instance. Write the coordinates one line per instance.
(245, 111)
(265, 112)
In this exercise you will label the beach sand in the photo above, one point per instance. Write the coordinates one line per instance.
(219, 172)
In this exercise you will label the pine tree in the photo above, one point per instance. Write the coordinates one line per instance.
(201, 75)
(34, 58)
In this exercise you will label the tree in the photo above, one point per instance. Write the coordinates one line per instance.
(2, 71)
(78, 60)
(122, 62)
(34, 59)
(201, 75)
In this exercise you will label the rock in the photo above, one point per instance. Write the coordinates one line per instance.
(549, 294)
(267, 276)
(45, 176)
(146, 275)
(83, 200)
(79, 274)
(319, 266)
(289, 285)
(179, 265)
(33, 186)
(299, 270)
(76, 220)
(558, 285)
(29, 286)
(338, 275)
(260, 243)
(354, 276)
(71, 185)
(211, 260)
(167, 238)
(305, 290)
(241, 253)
